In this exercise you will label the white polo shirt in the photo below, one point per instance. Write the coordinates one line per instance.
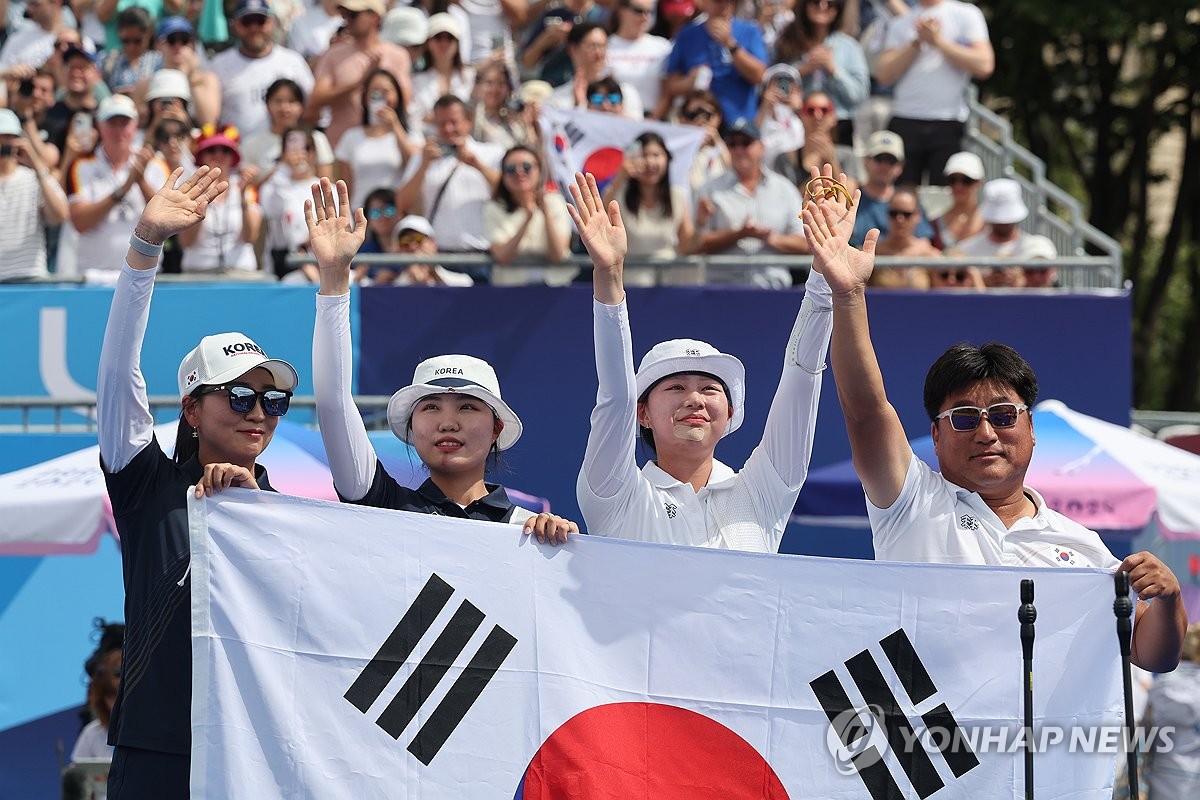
(93, 177)
(936, 521)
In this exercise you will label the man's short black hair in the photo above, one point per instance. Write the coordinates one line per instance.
(964, 364)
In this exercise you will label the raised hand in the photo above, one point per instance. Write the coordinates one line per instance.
(175, 208)
(828, 224)
(603, 235)
(333, 237)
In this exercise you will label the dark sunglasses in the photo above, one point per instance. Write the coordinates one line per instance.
(382, 211)
(815, 109)
(250, 20)
(524, 167)
(179, 38)
(891, 161)
(242, 399)
(899, 213)
(698, 113)
(738, 142)
(967, 418)
(961, 180)
(599, 99)
(955, 276)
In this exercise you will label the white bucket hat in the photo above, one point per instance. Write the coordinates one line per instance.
(169, 83)
(1001, 202)
(405, 26)
(225, 356)
(690, 355)
(453, 374)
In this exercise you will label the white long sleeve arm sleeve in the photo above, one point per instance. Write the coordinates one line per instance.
(792, 421)
(352, 459)
(609, 461)
(123, 417)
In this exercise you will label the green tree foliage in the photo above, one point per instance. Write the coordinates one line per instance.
(1094, 87)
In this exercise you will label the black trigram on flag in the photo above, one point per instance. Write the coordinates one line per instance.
(902, 740)
(421, 683)
(574, 134)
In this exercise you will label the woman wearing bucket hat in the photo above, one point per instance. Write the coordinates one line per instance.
(684, 398)
(452, 413)
(231, 396)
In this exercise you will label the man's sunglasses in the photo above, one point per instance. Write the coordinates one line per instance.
(179, 38)
(599, 99)
(899, 213)
(967, 418)
(242, 399)
(382, 211)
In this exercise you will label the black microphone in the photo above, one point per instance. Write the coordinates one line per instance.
(1027, 615)
(1123, 609)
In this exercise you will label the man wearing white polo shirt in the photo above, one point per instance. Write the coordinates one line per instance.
(977, 508)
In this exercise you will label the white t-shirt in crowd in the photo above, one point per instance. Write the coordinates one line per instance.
(458, 219)
(264, 148)
(631, 102)
(486, 29)
(282, 200)
(220, 245)
(782, 132)
(932, 88)
(427, 89)
(244, 84)
(1023, 247)
(103, 246)
(312, 31)
(376, 162)
(502, 225)
(641, 63)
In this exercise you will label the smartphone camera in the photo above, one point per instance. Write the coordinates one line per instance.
(7, 150)
(785, 84)
(26, 88)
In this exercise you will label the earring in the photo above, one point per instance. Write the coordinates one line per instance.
(195, 433)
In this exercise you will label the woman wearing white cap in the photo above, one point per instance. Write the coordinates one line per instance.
(232, 396)
(444, 71)
(684, 398)
(452, 413)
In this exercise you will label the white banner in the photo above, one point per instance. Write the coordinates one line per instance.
(348, 652)
(578, 140)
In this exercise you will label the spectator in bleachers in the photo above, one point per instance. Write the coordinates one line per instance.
(605, 95)
(408, 27)
(903, 214)
(175, 39)
(948, 277)
(107, 190)
(637, 57)
(883, 166)
(30, 198)
(749, 211)
(779, 112)
(81, 78)
(168, 96)
(285, 107)
(379, 208)
(172, 139)
(451, 181)
(373, 154)
(491, 23)
(526, 223)
(282, 199)
(829, 60)
(133, 61)
(1002, 209)
(415, 235)
(444, 72)
(546, 48)
(501, 117)
(311, 33)
(224, 239)
(31, 100)
(931, 55)
(702, 109)
(340, 72)
(246, 71)
(587, 46)
(672, 16)
(657, 220)
(30, 45)
(964, 174)
(103, 668)
(724, 54)
(819, 118)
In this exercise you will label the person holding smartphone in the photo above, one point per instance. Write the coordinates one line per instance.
(282, 197)
(373, 154)
(30, 198)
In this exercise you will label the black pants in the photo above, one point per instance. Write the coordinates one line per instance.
(138, 774)
(928, 144)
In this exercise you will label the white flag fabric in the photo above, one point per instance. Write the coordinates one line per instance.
(578, 140)
(348, 652)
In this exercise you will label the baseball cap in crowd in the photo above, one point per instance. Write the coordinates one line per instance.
(169, 83)
(885, 143)
(455, 374)
(690, 355)
(1001, 202)
(378, 6)
(405, 26)
(416, 224)
(966, 164)
(9, 124)
(72, 51)
(444, 23)
(743, 126)
(116, 105)
(223, 357)
(170, 25)
(775, 70)
(246, 8)
(678, 7)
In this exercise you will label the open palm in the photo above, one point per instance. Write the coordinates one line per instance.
(828, 225)
(333, 236)
(176, 208)
(601, 229)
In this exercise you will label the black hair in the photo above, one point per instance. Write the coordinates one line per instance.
(647, 435)
(187, 440)
(580, 31)
(662, 27)
(449, 101)
(633, 189)
(799, 36)
(134, 17)
(964, 364)
(605, 85)
(109, 637)
(285, 83)
(503, 195)
(382, 195)
(457, 64)
(401, 114)
(708, 98)
(494, 462)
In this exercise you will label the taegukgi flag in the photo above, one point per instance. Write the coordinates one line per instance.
(349, 652)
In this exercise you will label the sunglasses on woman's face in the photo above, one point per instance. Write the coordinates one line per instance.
(899, 213)
(176, 39)
(815, 109)
(524, 167)
(599, 99)
(693, 114)
(242, 399)
(381, 211)
(410, 238)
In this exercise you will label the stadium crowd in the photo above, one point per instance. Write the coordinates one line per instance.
(432, 113)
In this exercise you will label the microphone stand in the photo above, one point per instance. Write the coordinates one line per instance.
(1123, 609)
(1027, 615)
